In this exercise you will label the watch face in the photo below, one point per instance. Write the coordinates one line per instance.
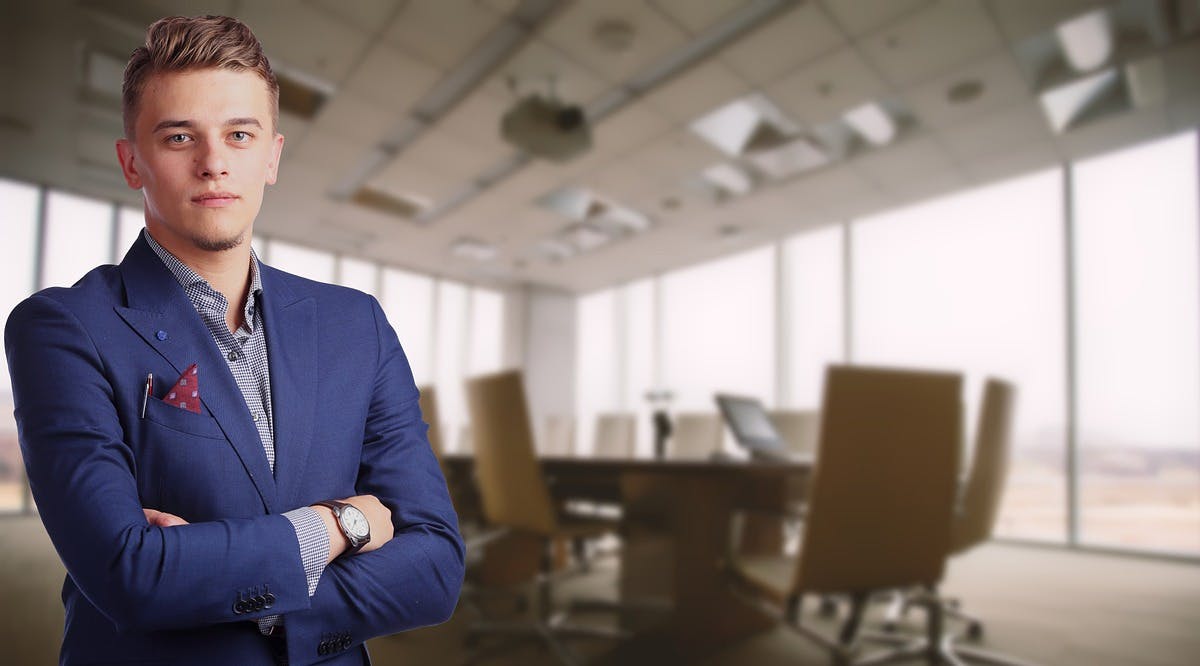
(355, 522)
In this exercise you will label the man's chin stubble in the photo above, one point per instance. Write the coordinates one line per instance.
(218, 245)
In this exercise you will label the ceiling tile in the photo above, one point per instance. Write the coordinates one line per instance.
(1002, 85)
(1019, 19)
(996, 133)
(335, 154)
(351, 116)
(1032, 157)
(828, 87)
(1181, 69)
(908, 161)
(693, 93)
(306, 39)
(404, 178)
(1184, 113)
(859, 17)
(477, 118)
(696, 17)
(390, 78)
(631, 126)
(447, 153)
(366, 15)
(543, 69)
(651, 171)
(931, 41)
(441, 33)
(830, 189)
(575, 31)
(783, 44)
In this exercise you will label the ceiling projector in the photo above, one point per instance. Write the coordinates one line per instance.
(547, 128)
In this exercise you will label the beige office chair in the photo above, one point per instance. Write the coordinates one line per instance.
(558, 436)
(696, 435)
(879, 504)
(798, 428)
(514, 495)
(979, 506)
(616, 435)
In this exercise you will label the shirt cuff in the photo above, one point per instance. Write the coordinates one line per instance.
(314, 543)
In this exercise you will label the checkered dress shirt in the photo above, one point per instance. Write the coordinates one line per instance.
(246, 352)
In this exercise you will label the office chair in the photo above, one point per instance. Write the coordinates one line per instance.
(697, 435)
(515, 496)
(879, 505)
(978, 510)
(429, 412)
(616, 435)
(559, 435)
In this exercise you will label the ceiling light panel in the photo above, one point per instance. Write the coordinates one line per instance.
(737, 126)
(873, 123)
(1087, 40)
(1065, 104)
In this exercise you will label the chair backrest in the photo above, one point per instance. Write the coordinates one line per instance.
(984, 488)
(511, 487)
(882, 492)
(799, 428)
(696, 435)
(429, 412)
(558, 435)
(616, 435)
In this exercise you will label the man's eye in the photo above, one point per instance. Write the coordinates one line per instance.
(177, 138)
(240, 136)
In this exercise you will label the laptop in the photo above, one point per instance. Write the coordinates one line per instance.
(752, 428)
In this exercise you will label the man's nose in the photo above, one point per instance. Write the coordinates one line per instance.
(211, 161)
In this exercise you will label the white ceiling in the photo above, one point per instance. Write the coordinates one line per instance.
(815, 60)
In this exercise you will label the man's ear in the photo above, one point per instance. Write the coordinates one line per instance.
(273, 165)
(128, 168)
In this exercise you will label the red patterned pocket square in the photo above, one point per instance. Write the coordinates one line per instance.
(185, 394)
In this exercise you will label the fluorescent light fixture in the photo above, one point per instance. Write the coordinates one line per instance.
(729, 178)
(788, 160)
(585, 236)
(573, 203)
(621, 219)
(1064, 104)
(748, 123)
(556, 250)
(104, 73)
(470, 248)
(872, 122)
(1087, 40)
(406, 205)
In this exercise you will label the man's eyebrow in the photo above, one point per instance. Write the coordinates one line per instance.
(168, 124)
(243, 121)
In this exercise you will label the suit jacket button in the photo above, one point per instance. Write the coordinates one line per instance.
(239, 607)
(260, 602)
(269, 600)
(345, 642)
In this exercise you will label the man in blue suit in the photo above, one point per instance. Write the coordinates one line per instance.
(230, 460)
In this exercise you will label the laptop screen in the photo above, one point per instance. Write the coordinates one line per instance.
(751, 426)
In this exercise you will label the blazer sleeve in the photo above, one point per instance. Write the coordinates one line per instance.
(414, 579)
(83, 477)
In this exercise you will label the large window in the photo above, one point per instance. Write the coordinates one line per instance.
(303, 261)
(450, 354)
(813, 313)
(718, 334)
(974, 283)
(20, 205)
(1138, 368)
(78, 238)
(598, 362)
(407, 300)
(487, 332)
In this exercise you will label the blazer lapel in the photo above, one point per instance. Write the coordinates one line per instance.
(291, 321)
(160, 312)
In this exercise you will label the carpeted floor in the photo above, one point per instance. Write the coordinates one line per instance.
(1048, 606)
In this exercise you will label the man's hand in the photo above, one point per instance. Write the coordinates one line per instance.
(378, 515)
(162, 518)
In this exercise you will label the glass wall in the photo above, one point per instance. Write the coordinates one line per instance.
(596, 347)
(78, 238)
(813, 313)
(1138, 368)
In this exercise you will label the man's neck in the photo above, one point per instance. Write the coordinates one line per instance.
(227, 271)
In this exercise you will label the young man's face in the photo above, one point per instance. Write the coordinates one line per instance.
(202, 153)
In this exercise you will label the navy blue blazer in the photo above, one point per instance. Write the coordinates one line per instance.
(346, 423)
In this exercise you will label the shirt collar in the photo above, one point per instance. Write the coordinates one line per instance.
(188, 277)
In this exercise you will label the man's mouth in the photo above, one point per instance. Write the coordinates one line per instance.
(215, 199)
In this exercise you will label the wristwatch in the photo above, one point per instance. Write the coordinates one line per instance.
(352, 523)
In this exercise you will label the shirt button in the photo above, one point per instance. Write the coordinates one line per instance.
(257, 416)
(233, 355)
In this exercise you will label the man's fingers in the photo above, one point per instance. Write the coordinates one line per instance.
(162, 518)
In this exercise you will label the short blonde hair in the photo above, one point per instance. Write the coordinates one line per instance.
(181, 43)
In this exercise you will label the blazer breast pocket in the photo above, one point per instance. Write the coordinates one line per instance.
(181, 420)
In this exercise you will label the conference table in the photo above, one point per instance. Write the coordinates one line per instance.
(677, 518)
